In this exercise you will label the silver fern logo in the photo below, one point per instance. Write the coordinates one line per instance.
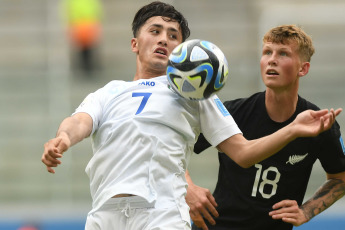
(296, 158)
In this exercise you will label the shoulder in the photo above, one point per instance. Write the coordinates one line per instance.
(115, 83)
(236, 104)
(332, 133)
(111, 85)
(116, 87)
(305, 104)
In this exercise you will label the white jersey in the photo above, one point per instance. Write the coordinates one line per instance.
(143, 135)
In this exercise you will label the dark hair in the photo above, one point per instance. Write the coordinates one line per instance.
(159, 9)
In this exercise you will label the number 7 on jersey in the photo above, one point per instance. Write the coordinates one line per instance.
(143, 102)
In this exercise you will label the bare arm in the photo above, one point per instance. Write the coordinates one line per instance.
(71, 131)
(247, 153)
(77, 127)
(331, 191)
(202, 204)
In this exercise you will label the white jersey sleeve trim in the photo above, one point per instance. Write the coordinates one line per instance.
(217, 123)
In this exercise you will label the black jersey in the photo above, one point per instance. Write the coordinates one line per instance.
(246, 196)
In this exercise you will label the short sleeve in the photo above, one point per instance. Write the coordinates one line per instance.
(92, 105)
(332, 150)
(216, 122)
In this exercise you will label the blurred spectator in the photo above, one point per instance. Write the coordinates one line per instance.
(84, 27)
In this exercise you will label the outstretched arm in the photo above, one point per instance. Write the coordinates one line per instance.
(331, 191)
(71, 131)
(247, 153)
(201, 203)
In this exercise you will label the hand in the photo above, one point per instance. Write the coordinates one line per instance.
(289, 212)
(53, 150)
(312, 123)
(202, 205)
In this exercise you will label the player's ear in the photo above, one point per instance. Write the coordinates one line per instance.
(304, 69)
(134, 45)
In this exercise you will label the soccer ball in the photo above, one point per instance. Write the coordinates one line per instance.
(197, 69)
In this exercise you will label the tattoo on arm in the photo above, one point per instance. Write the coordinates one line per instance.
(331, 191)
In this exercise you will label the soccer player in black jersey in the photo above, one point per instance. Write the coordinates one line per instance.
(269, 195)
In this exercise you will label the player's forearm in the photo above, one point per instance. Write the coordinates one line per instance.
(74, 130)
(269, 145)
(188, 178)
(247, 153)
(331, 191)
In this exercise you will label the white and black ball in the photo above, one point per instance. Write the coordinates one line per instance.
(197, 69)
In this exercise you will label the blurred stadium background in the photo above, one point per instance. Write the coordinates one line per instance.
(38, 89)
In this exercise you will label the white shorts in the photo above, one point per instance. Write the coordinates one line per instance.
(135, 213)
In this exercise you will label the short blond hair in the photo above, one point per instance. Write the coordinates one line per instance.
(286, 34)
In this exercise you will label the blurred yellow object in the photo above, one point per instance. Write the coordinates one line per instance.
(83, 17)
(83, 11)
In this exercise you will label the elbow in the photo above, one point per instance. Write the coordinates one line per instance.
(241, 160)
(243, 163)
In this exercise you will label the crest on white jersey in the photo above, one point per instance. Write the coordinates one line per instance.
(221, 107)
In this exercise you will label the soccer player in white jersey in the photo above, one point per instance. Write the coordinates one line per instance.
(143, 134)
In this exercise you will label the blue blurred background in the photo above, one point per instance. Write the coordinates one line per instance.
(40, 84)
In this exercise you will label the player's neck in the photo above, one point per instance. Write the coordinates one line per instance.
(280, 106)
(147, 74)
(138, 77)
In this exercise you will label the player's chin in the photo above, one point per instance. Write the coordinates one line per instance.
(160, 65)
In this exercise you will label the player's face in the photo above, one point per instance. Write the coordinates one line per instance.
(155, 41)
(280, 65)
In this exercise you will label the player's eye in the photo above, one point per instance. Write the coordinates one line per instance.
(173, 36)
(283, 54)
(154, 31)
(267, 52)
